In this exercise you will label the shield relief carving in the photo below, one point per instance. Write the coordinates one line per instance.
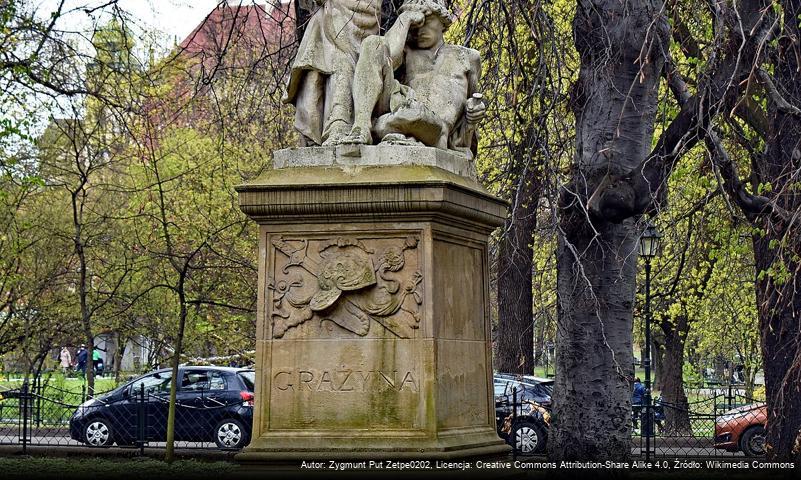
(345, 287)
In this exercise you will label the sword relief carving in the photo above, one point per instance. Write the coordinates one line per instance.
(345, 286)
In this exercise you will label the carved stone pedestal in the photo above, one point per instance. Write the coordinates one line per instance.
(373, 336)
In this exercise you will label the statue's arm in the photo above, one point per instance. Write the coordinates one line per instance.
(473, 73)
(398, 33)
(475, 106)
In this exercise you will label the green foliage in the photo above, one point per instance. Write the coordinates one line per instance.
(692, 376)
(152, 158)
(703, 281)
(139, 180)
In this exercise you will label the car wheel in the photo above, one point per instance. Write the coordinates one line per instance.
(527, 438)
(98, 433)
(231, 434)
(752, 443)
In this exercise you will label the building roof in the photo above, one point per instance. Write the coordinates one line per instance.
(260, 30)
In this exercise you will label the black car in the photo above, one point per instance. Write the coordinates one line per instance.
(522, 411)
(212, 404)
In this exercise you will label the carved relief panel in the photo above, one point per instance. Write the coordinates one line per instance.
(344, 287)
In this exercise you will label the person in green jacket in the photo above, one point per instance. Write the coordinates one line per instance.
(97, 361)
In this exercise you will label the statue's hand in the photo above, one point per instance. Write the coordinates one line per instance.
(413, 18)
(476, 109)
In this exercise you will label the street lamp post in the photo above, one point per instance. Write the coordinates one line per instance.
(649, 246)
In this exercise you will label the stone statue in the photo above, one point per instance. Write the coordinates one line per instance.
(410, 87)
(321, 79)
(373, 328)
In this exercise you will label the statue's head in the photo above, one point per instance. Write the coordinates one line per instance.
(430, 7)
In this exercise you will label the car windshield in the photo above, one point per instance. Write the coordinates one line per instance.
(154, 384)
(249, 377)
(527, 390)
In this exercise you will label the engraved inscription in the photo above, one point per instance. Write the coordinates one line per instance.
(344, 380)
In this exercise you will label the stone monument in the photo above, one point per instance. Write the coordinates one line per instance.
(373, 336)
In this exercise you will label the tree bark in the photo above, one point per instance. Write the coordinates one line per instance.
(779, 310)
(658, 355)
(642, 189)
(169, 453)
(778, 248)
(515, 344)
(594, 365)
(614, 102)
(83, 292)
(677, 415)
(748, 380)
(119, 352)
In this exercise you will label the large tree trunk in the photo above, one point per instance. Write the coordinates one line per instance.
(594, 364)
(779, 313)
(777, 252)
(515, 344)
(658, 358)
(615, 103)
(677, 415)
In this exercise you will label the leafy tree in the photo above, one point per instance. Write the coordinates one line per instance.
(79, 157)
(703, 257)
(620, 173)
(764, 139)
(525, 85)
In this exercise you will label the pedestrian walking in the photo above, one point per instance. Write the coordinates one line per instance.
(66, 360)
(81, 357)
(637, 397)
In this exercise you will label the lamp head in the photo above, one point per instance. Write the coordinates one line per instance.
(650, 240)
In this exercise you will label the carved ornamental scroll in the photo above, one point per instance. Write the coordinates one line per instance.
(345, 287)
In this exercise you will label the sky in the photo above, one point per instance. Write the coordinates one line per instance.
(173, 20)
(165, 21)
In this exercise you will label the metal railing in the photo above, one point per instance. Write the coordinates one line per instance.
(36, 414)
(718, 425)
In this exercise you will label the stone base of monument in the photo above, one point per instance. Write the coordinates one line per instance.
(373, 337)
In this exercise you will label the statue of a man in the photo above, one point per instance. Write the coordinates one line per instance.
(419, 88)
(321, 79)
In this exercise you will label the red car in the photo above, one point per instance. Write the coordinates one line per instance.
(742, 429)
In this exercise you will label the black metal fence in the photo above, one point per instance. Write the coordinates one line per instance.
(718, 424)
(713, 424)
(522, 423)
(36, 414)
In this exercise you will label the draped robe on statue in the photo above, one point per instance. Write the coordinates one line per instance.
(322, 73)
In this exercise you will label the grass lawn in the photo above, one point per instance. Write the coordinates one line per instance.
(55, 384)
(55, 402)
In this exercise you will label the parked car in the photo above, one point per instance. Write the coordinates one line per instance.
(742, 429)
(527, 429)
(212, 404)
